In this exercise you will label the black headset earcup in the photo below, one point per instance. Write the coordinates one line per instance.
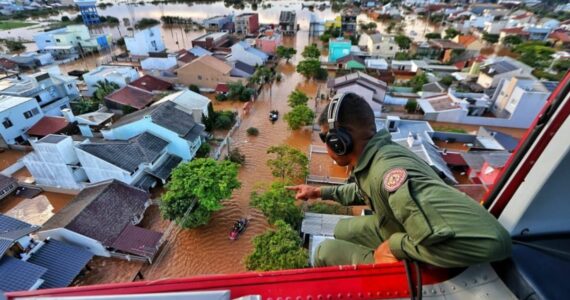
(339, 141)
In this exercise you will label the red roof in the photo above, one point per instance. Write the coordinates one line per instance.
(515, 30)
(454, 159)
(185, 56)
(138, 241)
(132, 96)
(560, 36)
(8, 64)
(466, 40)
(151, 83)
(48, 125)
(222, 88)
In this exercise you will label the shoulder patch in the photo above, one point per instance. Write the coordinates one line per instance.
(394, 178)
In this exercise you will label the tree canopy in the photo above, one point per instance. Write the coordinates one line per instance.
(103, 89)
(299, 116)
(535, 54)
(146, 23)
(311, 68)
(262, 75)
(418, 81)
(491, 38)
(238, 91)
(196, 190)
(288, 163)
(278, 203)
(512, 40)
(277, 249)
(433, 35)
(15, 46)
(311, 51)
(451, 33)
(285, 52)
(297, 97)
(403, 41)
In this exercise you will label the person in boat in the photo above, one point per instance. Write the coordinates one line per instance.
(416, 216)
(239, 225)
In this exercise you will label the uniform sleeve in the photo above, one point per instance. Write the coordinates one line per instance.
(443, 240)
(345, 194)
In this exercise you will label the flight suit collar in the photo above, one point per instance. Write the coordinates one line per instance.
(380, 139)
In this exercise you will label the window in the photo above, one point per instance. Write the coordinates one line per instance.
(35, 111)
(391, 47)
(78, 37)
(199, 77)
(38, 98)
(63, 107)
(7, 123)
(58, 40)
(30, 113)
(378, 47)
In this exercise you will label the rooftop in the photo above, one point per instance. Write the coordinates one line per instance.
(405, 128)
(287, 16)
(213, 35)
(151, 83)
(320, 224)
(48, 125)
(52, 138)
(8, 102)
(138, 241)
(354, 77)
(167, 115)
(18, 275)
(101, 211)
(499, 67)
(105, 71)
(132, 96)
(95, 118)
(128, 155)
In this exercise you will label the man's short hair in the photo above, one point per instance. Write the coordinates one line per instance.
(355, 115)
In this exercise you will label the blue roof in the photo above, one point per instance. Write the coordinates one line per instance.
(8, 224)
(62, 261)
(254, 51)
(18, 275)
(11, 230)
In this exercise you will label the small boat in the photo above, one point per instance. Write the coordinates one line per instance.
(238, 228)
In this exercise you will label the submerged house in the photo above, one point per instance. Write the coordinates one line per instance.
(102, 219)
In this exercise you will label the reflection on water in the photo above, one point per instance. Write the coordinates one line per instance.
(36, 210)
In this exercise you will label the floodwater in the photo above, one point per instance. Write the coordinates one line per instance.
(36, 210)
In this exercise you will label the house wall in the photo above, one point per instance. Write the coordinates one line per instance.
(19, 122)
(387, 48)
(98, 170)
(122, 77)
(51, 165)
(365, 93)
(76, 239)
(145, 41)
(203, 76)
(44, 39)
(176, 144)
(159, 63)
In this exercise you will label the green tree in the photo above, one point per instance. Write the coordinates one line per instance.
(391, 27)
(103, 89)
(299, 116)
(322, 207)
(561, 66)
(417, 82)
(451, 33)
(278, 203)
(403, 41)
(310, 68)
(204, 150)
(252, 131)
(196, 190)
(285, 52)
(402, 56)
(236, 156)
(512, 40)
(288, 163)
(263, 75)
(277, 249)
(15, 46)
(194, 88)
(146, 23)
(65, 19)
(311, 51)
(297, 97)
(447, 80)
(411, 106)
(433, 35)
(84, 106)
(238, 91)
(491, 38)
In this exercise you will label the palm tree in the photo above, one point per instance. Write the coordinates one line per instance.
(262, 76)
(103, 89)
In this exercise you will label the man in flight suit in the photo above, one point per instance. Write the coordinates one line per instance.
(416, 214)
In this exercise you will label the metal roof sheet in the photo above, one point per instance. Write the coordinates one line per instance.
(18, 275)
(62, 261)
(138, 241)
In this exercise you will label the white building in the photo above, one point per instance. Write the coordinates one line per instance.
(371, 89)
(17, 115)
(52, 91)
(145, 41)
(65, 42)
(246, 53)
(499, 68)
(119, 75)
(159, 63)
(190, 102)
(381, 45)
(55, 163)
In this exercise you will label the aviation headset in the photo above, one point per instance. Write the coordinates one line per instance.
(338, 138)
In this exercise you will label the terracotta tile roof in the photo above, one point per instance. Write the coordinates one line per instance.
(138, 241)
(514, 30)
(151, 83)
(222, 88)
(48, 125)
(8, 64)
(560, 36)
(445, 44)
(132, 96)
(185, 56)
(466, 40)
(454, 159)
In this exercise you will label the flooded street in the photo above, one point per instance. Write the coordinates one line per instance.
(208, 250)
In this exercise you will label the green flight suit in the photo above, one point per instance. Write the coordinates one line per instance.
(423, 219)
